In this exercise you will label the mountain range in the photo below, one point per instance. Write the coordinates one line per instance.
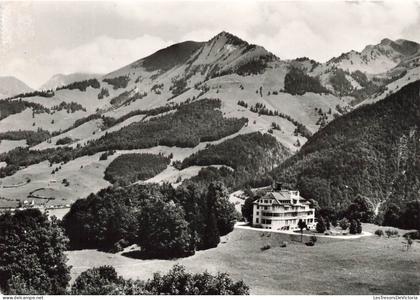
(11, 86)
(200, 103)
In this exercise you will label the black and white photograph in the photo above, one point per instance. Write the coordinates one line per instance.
(180, 147)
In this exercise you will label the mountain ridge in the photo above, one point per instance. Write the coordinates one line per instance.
(75, 125)
(11, 86)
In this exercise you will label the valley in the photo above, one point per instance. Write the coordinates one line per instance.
(153, 164)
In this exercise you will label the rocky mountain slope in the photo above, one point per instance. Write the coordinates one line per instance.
(175, 102)
(378, 59)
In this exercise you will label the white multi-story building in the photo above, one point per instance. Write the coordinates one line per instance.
(281, 209)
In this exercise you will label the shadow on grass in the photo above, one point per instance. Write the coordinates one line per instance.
(138, 254)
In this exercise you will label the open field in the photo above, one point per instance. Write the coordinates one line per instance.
(369, 265)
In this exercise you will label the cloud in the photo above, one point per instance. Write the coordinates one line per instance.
(102, 55)
(103, 36)
(106, 54)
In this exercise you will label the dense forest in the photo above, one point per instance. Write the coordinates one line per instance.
(250, 155)
(117, 82)
(11, 107)
(297, 82)
(132, 167)
(188, 126)
(81, 85)
(32, 137)
(163, 221)
(372, 151)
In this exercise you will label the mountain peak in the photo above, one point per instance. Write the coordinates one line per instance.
(11, 86)
(229, 38)
(386, 41)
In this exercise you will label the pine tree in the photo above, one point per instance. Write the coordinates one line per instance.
(211, 231)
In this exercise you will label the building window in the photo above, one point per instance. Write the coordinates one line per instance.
(258, 207)
(258, 213)
(256, 220)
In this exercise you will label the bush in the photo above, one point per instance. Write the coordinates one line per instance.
(266, 247)
(64, 141)
(414, 235)
(353, 226)
(379, 232)
(391, 233)
(344, 224)
(243, 103)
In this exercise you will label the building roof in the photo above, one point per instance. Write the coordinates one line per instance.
(281, 196)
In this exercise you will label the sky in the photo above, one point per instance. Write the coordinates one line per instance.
(41, 38)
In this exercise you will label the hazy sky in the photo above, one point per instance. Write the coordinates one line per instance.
(40, 38)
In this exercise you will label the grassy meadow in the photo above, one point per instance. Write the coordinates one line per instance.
(369, 265)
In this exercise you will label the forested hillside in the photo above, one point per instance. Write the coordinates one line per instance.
(250, 156)
(372, 151)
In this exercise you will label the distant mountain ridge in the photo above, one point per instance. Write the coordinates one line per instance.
(11, 86)
(376, 59)
(59, 80)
